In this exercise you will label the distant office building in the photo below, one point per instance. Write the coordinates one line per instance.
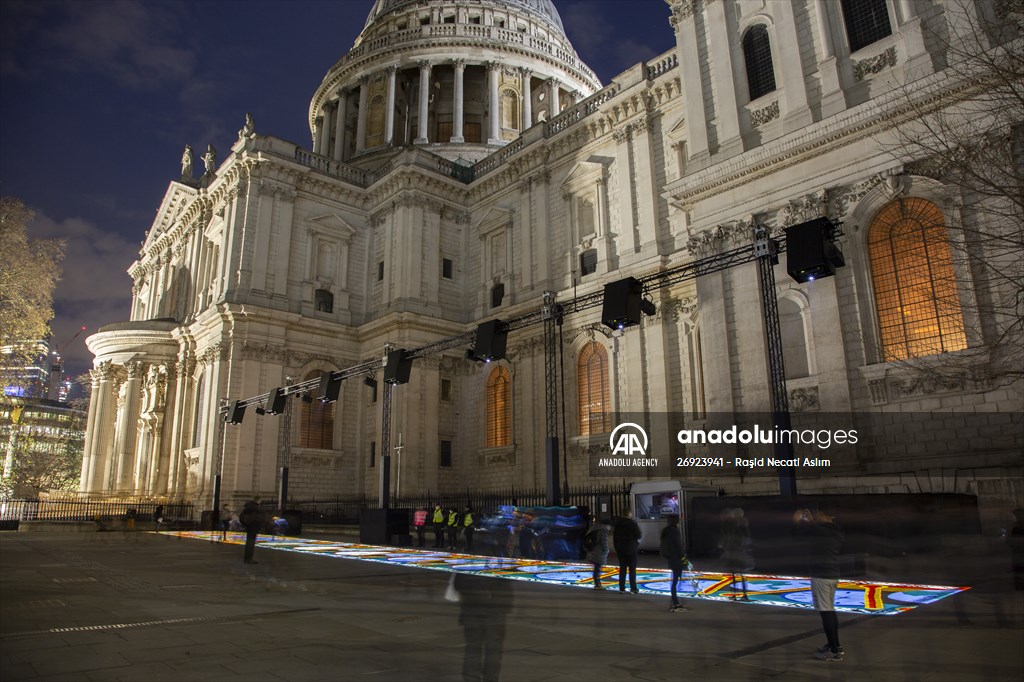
(41, 443)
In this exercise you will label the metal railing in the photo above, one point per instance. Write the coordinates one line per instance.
(345, 510)
(88, 510)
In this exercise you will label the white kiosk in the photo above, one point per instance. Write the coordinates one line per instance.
(652, 502)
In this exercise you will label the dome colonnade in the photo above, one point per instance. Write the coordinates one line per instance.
(443, 74)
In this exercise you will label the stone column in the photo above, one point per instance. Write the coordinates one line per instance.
(325, 131)
(527, 76)
(129, 427)
(556, 107)
(913, 39)
(460, 69)
(647, 194)
(693, 90)
(629, 240)
(339, 126)
(364, 89)
(102, 438)
(832, 98)
(422, 131)
(389, 115)
(726, 109)
(493, 72)
(90, 430)
(795, 112)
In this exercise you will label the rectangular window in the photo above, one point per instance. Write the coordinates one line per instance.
(449, 19)
(380, 271)
(497, 295)
(447, 267)
(472, 132)
(867, 21)
(373, 454)
(588, 262)
(446, 390)
(445, 458)
(444, 131)
(425, 21)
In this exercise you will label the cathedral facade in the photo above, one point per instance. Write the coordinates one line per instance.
(465, 161)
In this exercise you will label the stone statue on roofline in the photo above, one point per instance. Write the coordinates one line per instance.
(186, 164)
(210, 159)
(248, 129)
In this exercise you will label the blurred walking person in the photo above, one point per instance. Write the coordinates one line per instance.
(674, 553)
(825, 542)
(252, 518)
(596, 544)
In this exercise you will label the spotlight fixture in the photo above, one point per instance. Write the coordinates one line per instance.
(624, 303)
(398, 367)
(370, 381)
(811, 250)
(276, 402)
(491, 340)
(307, 398)
(236, 412)
(260, 410)
(329, 388)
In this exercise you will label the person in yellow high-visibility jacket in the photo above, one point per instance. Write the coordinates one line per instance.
(467, 523)
(454, 524)
(438, 520)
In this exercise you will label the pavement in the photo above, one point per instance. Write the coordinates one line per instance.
(145, 606)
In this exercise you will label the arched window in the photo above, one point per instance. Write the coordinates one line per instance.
(197, 422)
(757, 53)
(592, 389)
(375, 122)
(323, 301)
(510, 116)
(915, 285)
(867, 21)
(316, 422)
(794, 339)
(499, 408)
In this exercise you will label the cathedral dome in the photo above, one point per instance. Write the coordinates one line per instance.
(544, 9)
(462, 77)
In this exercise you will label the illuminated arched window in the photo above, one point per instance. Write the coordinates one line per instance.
(316, 422)
(915, 285)
(592, 389)
(499, 408)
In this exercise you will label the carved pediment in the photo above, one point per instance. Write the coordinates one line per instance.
(495, 219)
(587, 170)
(332, 225)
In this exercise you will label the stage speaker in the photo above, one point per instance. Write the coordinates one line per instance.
(329, 388)
(236, 412)
(624, 303)
(491, 340)
(398, 367)
(275, 404)
(810, 251)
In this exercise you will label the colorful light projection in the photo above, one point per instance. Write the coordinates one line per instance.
(852, 596)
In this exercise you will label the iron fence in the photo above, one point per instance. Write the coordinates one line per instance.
(345, 510)
(89, 510)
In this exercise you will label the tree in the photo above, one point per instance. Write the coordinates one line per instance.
(965, 129)
(29, 271)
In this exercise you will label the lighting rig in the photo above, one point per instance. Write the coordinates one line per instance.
(812, 253)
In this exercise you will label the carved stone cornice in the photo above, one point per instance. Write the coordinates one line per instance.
(872, 65)
(843, 199)
(721, 238)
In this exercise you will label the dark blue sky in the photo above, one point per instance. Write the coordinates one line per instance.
(97, 100)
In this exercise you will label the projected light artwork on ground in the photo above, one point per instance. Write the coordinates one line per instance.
(852, 596)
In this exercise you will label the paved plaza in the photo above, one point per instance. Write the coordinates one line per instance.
(143, 606)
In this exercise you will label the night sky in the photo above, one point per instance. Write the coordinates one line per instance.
(98, 99)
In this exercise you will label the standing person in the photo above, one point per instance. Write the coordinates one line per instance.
(626, 540)
(158, 516)
(467, 523)
(438, 520)
(736, 548)
(675, 554)
(419, 522)
(825, 542)
(252, 519)
(454, 521)
(596, 544)
(484, 605)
